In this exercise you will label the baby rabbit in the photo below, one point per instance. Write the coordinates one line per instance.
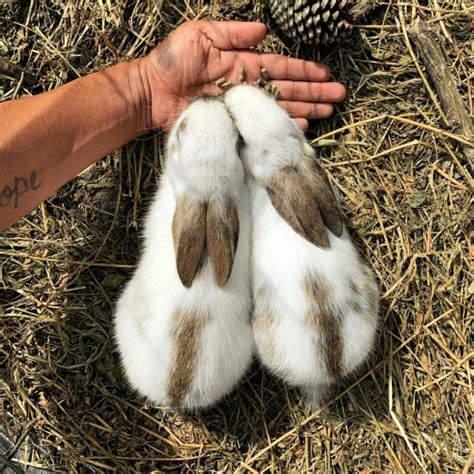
(315, 301)
(183, 322)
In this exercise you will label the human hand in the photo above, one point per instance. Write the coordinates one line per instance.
(198, 53)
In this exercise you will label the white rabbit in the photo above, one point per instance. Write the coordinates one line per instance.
(183, 322)
(315, 301)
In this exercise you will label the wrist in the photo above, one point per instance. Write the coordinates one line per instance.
(163, 102)
(139, 96)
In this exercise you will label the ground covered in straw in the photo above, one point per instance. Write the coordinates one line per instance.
(404, 181)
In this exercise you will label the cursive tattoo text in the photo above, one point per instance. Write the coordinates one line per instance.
(11, 194)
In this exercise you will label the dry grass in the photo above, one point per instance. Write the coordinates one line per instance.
(406, 191)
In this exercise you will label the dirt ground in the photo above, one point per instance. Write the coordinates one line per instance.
(401, 170)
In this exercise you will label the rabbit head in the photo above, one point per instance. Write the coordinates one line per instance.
(206, 174)
(276, 155)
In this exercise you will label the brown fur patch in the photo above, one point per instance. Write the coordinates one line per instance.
(319, 183)
(222, 236)
(353, 287)
(356, 296)
(295, 201)
(318, 290)
(189, 237)
(182, 126)
(373, 296)
(326, 322)
(365, 296)
(263, 321)
(186, 337)
(368, 288)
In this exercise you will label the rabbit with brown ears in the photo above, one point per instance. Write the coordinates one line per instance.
(183, 322)
(315, 300)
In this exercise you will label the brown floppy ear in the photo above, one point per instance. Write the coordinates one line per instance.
(222, 236)
(189, 236)
(295, 201)
(324, 194)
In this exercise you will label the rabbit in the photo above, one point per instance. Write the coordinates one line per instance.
(182, 323)
(315, 300)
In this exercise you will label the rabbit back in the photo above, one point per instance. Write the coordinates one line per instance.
(315, 313)
(179, 348)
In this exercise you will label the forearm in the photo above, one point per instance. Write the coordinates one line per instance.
(48, 139)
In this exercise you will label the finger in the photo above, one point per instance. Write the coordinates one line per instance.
(285, 68)
(311, 91)
(234, 34)
(307, 110)
(302, 123)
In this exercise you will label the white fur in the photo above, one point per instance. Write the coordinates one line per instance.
(282, 259)
(206, 162)
(265, 127)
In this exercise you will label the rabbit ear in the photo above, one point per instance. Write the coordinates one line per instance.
(327, 202)
(307, 204)
(189, 236)
(222, 236)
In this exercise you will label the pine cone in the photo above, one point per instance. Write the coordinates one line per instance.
(312, 21)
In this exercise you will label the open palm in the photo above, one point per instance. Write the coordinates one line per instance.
(198, 53)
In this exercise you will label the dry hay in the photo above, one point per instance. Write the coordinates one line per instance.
(406, 191)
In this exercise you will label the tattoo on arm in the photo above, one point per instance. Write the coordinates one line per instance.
(11, 194)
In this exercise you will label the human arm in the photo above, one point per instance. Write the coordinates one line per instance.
(48, 139)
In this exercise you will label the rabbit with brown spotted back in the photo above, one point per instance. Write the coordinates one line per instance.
(182, 323)
(315, 300)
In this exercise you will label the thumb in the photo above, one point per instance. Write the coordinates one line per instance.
(234, 34)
